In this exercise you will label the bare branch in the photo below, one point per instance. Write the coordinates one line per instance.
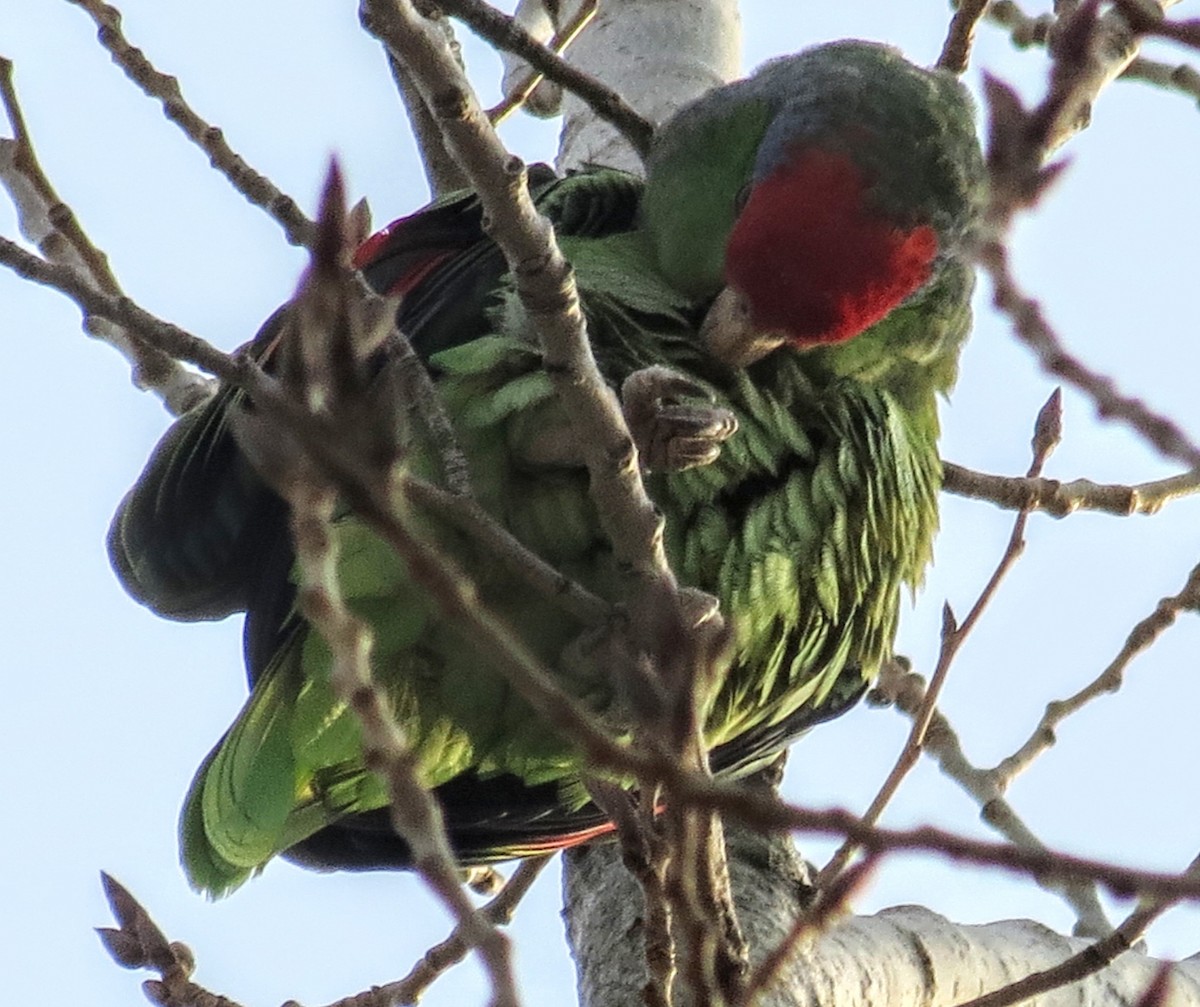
(1084, 963)
(505, 33)
(518, 93)
(441, 170)
(330, 330)
(1047, 433)
(1140, 638)
(1147, 19)
(1112, 49)
(256, 188)
(453, 949)
(832, 903)
(1031, 327)
(468, 516)
(1059, 499)
(537, 685)
(956, 51)
(905, 689)
(50, 224)
(1182, 77)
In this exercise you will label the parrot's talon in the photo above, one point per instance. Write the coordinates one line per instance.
(671, 435)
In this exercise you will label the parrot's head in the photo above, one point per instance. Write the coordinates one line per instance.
(816, 196)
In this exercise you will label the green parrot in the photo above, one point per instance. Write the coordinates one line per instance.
(797, 255)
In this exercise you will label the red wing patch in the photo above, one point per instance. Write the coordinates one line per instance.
(416, 263)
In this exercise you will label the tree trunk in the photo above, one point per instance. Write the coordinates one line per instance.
(906, 956)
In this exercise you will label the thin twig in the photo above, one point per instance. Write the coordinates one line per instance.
(1142, 21)
(505, 33)
(50, 223)
(956, 50)
(329, 330)
(467, 515)
(1084, 963)
(445, 582)
(832, 903)
(545, 284)
(441, 170)
(1181, 77)
(536, 683)
(1140, 638)
(1031, 327)
(1047, 433)
(1059, 499)
(520, 92)
(1025, 30)
(255, 187)
(905, 690)
(1089, 51)
(453, 949)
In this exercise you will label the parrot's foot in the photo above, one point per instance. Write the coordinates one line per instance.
(730, 337)
(672, 435)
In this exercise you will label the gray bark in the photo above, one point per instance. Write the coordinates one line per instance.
(906, 956)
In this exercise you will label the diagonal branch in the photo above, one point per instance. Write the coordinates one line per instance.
(956, 50)
(50, 223)
(505, 33)
(1084, 963)
(905, 690)
(1140, 638)
(255, 187)
(1047, 433)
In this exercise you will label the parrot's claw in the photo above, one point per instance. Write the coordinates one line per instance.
(671, 435)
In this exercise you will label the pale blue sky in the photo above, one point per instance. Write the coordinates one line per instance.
(114, 708)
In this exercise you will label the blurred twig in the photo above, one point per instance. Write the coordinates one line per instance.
(137, 943)
(1181, 77)
(330, 331)
(905, 689)
(956, 50)
(518, 94)
(1089, 51)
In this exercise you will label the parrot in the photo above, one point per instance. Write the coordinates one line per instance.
(797, 260)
